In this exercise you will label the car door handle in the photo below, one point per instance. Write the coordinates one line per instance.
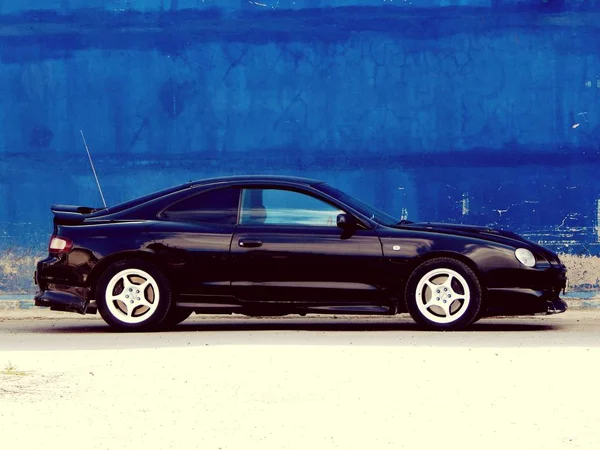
(250, 243)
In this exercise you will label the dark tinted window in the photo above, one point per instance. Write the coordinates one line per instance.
(283, 207)
(216, 206)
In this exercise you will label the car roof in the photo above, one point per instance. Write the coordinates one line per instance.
(206, 182)
(256, 178)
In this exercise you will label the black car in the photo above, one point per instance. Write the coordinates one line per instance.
(266, 245)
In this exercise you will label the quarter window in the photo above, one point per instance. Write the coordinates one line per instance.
(282, 207)
(219, 206)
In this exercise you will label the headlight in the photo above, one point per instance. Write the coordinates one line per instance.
(525, 257)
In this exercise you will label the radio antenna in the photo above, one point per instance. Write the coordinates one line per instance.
(93, 169)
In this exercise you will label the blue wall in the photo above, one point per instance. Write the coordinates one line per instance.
(475, 111)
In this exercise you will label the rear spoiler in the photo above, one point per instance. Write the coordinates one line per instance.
(70, 214)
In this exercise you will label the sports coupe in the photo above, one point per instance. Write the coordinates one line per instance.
(274, 245)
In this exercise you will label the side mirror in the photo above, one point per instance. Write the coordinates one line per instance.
(346, 222)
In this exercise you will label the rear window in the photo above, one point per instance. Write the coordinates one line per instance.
(218, 206)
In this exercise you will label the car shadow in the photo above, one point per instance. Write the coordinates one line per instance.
(229, 324)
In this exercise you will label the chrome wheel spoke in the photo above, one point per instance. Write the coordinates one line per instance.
(144, 302)
(120, 297)
(432, 286)
(450, 291)
(435, 291)
(142, 287)
(446, 309)
(130, 309)
(448, 283)
(127, 285)
(430, 303)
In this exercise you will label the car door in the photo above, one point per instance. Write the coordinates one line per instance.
(195, 242)
(287, 248)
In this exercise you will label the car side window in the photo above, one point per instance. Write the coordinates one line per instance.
(218, 206)
(283, 207)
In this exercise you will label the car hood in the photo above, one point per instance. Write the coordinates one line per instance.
(481, 232)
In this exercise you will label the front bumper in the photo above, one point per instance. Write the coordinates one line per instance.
(556, 306)
(527, 291)
(515, 301)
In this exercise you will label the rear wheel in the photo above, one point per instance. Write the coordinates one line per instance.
(443, 294)
(133, 295)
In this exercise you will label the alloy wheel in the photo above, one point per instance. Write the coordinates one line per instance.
(443, 295)
(132, 296)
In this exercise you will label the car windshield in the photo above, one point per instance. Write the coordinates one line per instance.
(371, 212)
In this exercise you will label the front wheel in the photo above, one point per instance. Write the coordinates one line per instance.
(443, 294)
(133, 295)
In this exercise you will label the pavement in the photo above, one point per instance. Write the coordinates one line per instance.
(68, 382)
(49, 330)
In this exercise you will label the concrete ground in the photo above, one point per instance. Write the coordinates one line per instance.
(300, 383)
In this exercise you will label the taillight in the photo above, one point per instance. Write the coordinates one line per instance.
(60, 244)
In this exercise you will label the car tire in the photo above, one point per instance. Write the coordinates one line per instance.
(443, 294)
(133, 295)
(175, 317)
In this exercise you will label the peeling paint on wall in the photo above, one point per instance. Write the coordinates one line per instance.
(583, 272)
(16, 271)
(404, 214)
(465, 204)
(598, 220)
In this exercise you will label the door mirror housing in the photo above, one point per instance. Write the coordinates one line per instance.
(346, 222)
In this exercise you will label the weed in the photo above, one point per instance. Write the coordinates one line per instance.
(11, 370)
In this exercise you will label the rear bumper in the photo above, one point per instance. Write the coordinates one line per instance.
(62, 301)
(60, 288)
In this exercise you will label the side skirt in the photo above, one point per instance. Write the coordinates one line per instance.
(281, 310)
